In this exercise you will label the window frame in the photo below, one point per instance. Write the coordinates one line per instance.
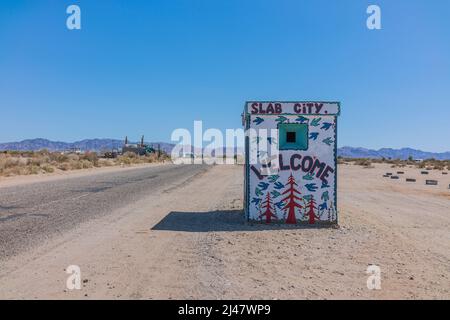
(282, 129)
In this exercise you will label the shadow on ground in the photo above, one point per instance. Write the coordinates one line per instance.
(215, 221)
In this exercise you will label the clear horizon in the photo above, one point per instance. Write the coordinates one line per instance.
(152, 67)
(171, 142)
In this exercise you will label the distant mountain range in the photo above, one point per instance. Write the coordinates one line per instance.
(84, 145)
(404, 153)
(108, 144)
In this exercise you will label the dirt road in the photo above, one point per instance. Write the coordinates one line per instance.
(188, 240)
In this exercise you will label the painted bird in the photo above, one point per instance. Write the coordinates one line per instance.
(258, 192)
(273, 178)
(281, 119)
(311, 187)
(316, 122)
(275, 194)
(301, 119)
(280, 205)
(263, 185)
(323, 206)
(308, 176)
(313, 135)
(256, 201)
(279, 185)
(325, 196)
(328, 141)
(324, 185)
(326, 125)
(258, 120)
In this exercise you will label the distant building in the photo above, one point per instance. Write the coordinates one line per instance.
(139, 149)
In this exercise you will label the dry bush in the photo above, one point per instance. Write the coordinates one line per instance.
(64, 166)
(447, 164)
(105, 163)
(27, 162)
(71, 157)
(433, 164)
(129, 158)
(33, 169)
(58, 157)
(11, 163)
(90, 157)
(86, 164)
(429, 164)
(48, 168)
(153, 157)
(378, 160)
(130, 155)
(363, 162)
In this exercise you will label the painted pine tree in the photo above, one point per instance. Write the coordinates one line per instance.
(292, 194)
(268, 214)
(311, 207)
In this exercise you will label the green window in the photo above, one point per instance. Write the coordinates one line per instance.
(293, 136)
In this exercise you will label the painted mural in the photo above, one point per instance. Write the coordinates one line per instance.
(300, 187)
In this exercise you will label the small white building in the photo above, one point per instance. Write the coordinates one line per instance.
(291, 162)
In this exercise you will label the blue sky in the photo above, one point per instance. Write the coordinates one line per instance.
(148, 67)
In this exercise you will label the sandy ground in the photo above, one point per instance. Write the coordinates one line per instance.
(189, 241)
